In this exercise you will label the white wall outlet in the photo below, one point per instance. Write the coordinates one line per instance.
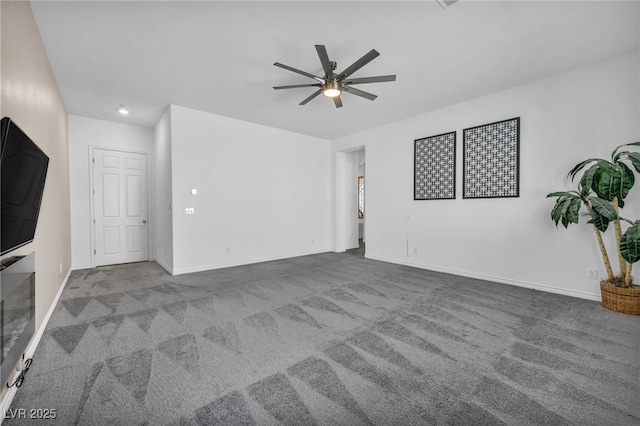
(415, 250)
(313, 241)
(228, 250)
(61, 268)
(592, 274)
(190, 210)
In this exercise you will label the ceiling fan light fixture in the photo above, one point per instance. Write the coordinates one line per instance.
(332, 84)
(331, 89)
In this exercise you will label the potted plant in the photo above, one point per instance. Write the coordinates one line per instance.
(602, 190)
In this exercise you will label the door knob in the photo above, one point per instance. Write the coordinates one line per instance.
(144, 221)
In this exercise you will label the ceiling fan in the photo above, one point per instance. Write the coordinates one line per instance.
(332, 84)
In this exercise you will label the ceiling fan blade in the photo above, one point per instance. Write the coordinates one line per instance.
(313, 95)
(306, 74)
(378, 79)
(324, 60)
(337, 101)
(446, 3)
(359, 64)
(297, 85)
(360, 93)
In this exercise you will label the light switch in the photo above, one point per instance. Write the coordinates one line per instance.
(190, 210)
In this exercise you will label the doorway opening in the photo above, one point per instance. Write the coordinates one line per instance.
(351, 201)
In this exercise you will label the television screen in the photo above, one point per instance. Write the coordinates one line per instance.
(23, 169)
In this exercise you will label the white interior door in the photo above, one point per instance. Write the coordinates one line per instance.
(120, 207)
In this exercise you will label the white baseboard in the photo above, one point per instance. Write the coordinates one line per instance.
(79, 267)
(35, 340)
(517, 283)
(245, 262)
(164, 265)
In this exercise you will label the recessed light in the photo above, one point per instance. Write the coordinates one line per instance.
(122, 110)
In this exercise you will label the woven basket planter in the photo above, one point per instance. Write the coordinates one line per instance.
(619, 299)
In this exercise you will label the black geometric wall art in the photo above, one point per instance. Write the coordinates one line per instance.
(435, 167)
(491, 160)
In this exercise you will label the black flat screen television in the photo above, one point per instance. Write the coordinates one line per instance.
(23, 170)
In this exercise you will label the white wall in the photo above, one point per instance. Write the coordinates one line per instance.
(263, 193)
(29, 95)
(564, 119)
(85, 133)
(163, 181)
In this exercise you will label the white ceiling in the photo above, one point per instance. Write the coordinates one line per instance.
(218, 56)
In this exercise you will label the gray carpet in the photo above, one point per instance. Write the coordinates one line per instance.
(329, 339)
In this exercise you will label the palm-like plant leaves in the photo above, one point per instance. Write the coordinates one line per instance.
(630, 243)
(603, 207)
(599, 221)
(573, 172)
(567, 209)
(586, 182)
(617, 156)
(602, 188)
(634, 158)
(557, 212)
(627, 181)
(612, 181)
(572, 211)
(609, 179)
(563, 194)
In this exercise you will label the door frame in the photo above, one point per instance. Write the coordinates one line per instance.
(92, 219)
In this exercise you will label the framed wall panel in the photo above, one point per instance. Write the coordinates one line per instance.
(491, 160)
(435, 167)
